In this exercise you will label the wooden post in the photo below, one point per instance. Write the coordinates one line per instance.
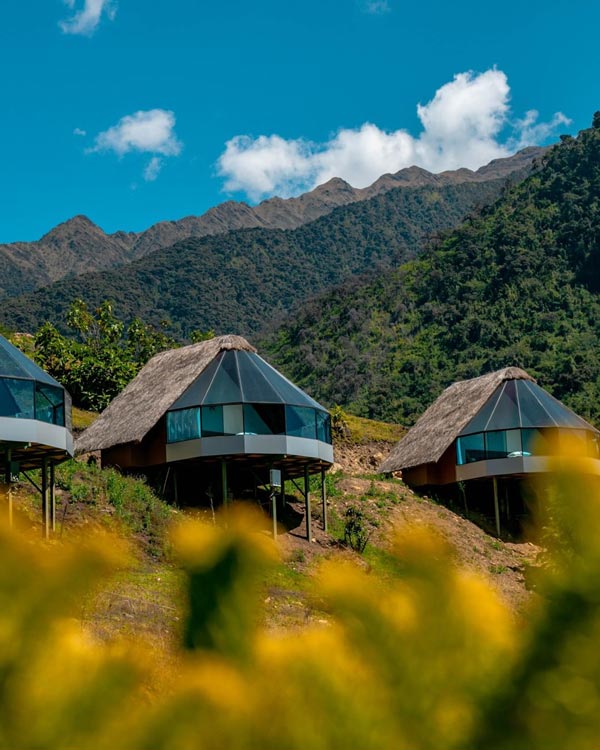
(496, 506)
(8, 479)
(10, 506)
(52, 499)
(45, 509)
(324, 499)
(175, 489)
(274, 510)
(224, 483)
(307, 504)
(463, 492)
(164, 487)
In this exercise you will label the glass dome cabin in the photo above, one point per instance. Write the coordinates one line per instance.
(35, 424)
(517, 430)
(211, 421)
(482, 437)
(241, 406)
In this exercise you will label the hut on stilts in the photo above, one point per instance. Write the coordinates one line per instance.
(35, 429)
(483, 436)
(214, 420)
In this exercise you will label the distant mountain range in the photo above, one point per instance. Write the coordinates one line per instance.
(78, 246)
(247, 279)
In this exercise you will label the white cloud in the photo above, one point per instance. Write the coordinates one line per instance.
(79, 131)
(529, 130)
(85, 21)
(461, 127)
(153, 168)
(375, 7)
(149, 132)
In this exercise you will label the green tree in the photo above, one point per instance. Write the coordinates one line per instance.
(102, 356)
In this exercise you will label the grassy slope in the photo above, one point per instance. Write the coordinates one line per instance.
(147, 596)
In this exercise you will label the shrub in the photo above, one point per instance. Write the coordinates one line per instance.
(356, 534)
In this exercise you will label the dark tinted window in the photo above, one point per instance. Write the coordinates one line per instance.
(324, 427)
(300, 422)
(17, 398)
(506, 414)
(470, 448)
(212, 421)
(49, 404)
(264, 419)
(256, 386)
(225, 387)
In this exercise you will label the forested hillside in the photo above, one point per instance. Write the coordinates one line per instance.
(518, 284)
(242, 280)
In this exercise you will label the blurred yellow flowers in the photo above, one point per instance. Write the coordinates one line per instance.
(436, 663)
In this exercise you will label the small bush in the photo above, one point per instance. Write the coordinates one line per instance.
(356, 534)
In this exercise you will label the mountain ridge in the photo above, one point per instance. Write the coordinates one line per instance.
(79, 246)
(245, 278)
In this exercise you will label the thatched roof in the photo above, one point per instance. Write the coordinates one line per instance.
(135, 411)
(438, 427)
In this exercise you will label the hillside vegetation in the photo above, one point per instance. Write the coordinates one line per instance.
(518, 284)
(242, 280)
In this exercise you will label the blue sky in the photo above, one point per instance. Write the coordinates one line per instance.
(136, 111)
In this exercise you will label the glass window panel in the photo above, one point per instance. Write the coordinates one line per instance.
(541, 442)
(8, 366)
(289, 393)
(480, 420)
(59, 415)
(256, 386)
(506, 413)
(54, 395)
(300, 421)
(212, 421)
(183, 425)
(233, 420)
(264, 419)
(560, 415)
(471, 448)
(533, 412)
(49, 404)
(225, 387)
(460, 453)
(195, 393)
(17, 398)
(513, 442)
(324, 427)
(14, 363)
(495, 444)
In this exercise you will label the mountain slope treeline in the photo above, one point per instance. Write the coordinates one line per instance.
(242, 280)
(517, 284)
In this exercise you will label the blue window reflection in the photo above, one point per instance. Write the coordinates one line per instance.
(247, 419)
(526, 442)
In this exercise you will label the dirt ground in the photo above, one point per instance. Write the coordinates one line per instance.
(503, 563)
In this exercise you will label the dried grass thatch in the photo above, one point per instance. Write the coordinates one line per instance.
(435, 431)
(135, 411)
